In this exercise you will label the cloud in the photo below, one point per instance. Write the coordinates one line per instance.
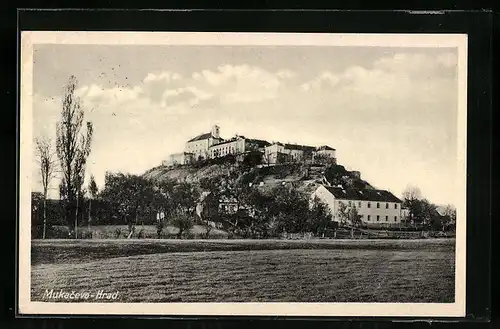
(402, 76)
(162, 76)
(96, 95)
(190, 95)
(243, 83)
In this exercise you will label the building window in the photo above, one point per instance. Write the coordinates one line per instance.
(359, 204)
(378, 218)
(369, 205)
(395, 206)
(395, 218)
(386, 206)
(386, 218)
(378, 205)
(368, 217)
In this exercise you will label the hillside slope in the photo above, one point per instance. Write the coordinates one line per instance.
(303, 177)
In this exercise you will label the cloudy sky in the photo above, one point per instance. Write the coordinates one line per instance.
(391, 113)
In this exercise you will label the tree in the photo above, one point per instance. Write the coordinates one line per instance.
(290, 208)
(349, 216)
(320, 218)
(426, 212)
(451, 214)
(185, 197)
(163, 203)
(323, 159)
(93, 190)
(183, 221)
(252, 159)
(36, 205)
(47, 164)
(411, 201)
(259, 219)
(73, 148)
(131, 196)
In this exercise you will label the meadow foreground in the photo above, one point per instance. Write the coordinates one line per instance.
(247, 270)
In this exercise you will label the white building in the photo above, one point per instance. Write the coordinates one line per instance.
(199, 145)
(180, 158)
(211, 145)
(282, 153)
(375, 207)
(236, 145)
(326, 153)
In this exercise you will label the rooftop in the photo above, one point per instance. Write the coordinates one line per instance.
(259, 142)
(299, 147)
(362, 194)
(202, 137)
(325, 148)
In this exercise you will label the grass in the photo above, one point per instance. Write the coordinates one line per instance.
(148, 231)
(248, 271)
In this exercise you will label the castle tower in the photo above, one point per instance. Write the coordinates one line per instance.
(215, 131)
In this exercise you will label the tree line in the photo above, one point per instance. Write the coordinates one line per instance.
(133, 200)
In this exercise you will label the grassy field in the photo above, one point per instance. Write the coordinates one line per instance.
(248, 270)
(148, 231)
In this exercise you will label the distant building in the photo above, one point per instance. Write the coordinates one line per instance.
(199, 145)
(181, 158)
(237, 145)
(375, 207)
(326, 154)
(283, 153)
(211, 145)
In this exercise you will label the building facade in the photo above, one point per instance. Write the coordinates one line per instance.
(325, 154)
(237, 145)
(181, 158)
(211, 145)
(282, 153)
(199, 145)
(375, 207)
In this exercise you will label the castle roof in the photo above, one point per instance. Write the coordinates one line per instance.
(325, 148)
(259, 142)
(299, 147)
(362, 194)
(202, 137)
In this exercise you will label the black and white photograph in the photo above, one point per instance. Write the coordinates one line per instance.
(242, 173)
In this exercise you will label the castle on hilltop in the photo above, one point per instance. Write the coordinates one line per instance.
(210, 146)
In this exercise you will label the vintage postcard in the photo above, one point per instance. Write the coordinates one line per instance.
(242, 174)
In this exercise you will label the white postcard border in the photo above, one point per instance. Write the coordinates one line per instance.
(28, 307)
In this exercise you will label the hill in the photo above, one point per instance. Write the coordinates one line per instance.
(304, 177)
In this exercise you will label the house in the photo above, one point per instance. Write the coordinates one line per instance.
(325, 154)
(282, 153)
(375, 207)
(180, 158)
(199, 145)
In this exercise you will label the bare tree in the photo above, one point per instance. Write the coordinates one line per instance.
(73, 148)
(411, 200)
(45, 153)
